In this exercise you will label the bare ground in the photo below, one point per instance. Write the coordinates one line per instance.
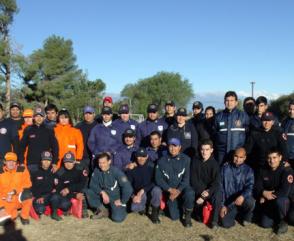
(134, 228)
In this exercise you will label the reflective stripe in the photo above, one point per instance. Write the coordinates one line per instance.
(71, 146)
(290, 134)
(115, 185)
(237, 129)
(223, 129)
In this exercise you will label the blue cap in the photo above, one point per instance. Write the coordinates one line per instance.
(89, 109)
(174, 141)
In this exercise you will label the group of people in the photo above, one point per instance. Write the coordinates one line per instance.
(238, 162)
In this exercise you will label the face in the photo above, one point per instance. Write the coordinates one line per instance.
(181, 119)
(108, 104)
(208, 114)
(170, 110)
(196, 110)
(38, 119)
(155, 141)
(141, 160)
(231, 103)
(10, 165)
(174, 150)
(267, 125)
(106, 117)
(63, 120)
(153, 115)
(89, 117)
(51, 115)
(125, 117)
(261, 108)
(239, 157)
(129, 140)
(274, 160)
(15, 112)
(45, 164)
(69, 165)
(206, 151)
(28, 120)
(291, 111)
(104, 164)
(1, 114)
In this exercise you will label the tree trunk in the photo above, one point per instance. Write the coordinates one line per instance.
(8, 87)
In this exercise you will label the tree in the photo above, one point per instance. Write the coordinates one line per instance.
(158, 89)
(8, 8)
(50, 75)
(280, 105)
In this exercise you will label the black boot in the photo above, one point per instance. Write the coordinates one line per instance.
(282, 227)
(55, 216)
(187, 220)
(154, 215)
(84, 209)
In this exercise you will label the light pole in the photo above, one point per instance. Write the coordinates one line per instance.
(252, 88)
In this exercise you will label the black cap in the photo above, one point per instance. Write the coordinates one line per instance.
(267, 116)
(39, 111)
(141, 152)
(15, 104)
(124, 109)
(129, 132)
(106, 110)
(69, 157)
(152, 108)
(170, 102)
(46, 155)
(182, 111)
(197, 104)
(261, 99)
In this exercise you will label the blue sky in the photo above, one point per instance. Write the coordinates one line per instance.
(216, 44)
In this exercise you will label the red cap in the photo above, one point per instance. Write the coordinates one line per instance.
(108, 99)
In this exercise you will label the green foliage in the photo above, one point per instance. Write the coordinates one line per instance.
(158, 89)
(7, 10)
(280, 105)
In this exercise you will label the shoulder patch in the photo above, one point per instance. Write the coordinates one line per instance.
(124, 179)
(290, 178)
(20, 169)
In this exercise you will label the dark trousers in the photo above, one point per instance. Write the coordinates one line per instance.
(41, 207)
(274, 211)
(60, 202)
(215, 200)
(186, 197)
(291, 214)
(245, 211)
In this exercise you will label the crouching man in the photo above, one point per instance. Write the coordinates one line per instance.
(15, 189)
(109, 190)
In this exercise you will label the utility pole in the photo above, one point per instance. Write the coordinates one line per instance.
(252, 88)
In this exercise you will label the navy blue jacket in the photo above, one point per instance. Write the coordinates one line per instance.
(8, 138)
(114, 182)
(154, 155)
(230, 130)
(236, 181)
(121, 126)
(173, 172)
(124, 156)
(103, 139)
(288, 129)
(148, 126)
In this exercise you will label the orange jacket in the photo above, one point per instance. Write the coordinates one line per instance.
(20, 135)
(69, 139)
(14, 180)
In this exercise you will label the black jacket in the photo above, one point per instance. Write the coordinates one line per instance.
(42, 182)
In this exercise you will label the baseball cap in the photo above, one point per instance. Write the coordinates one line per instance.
(141, 152)
(129, 132)
(10, 156)
(69, 157)
(174, 141)
(124, 109)
(39, 111)
(197, 104)
(46, 155)
(28, 113)
(170, 102)
(106, 110)
(107, 99)
(182, 111)
(267, 116)
(152, 108)
(15, 104)
(88, 109)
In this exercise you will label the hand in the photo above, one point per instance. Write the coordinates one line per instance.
(54, 168)
(223, 212)
(40, 200)
(105, 197)
(239, 200)
(268, 195)
(131, 165)
(174, 193)
(286, 164)
(117, 203)
(9, 197)
(80, 196)
(200, 201)
(262, 200)
(64, 192)
(205, 194)
(137, 199)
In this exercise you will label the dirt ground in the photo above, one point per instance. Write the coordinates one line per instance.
(134, 228)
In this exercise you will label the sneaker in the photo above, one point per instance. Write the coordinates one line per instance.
(245, 223)
(282, 228)
(100, 214)
(24, 221)
(214, 225)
